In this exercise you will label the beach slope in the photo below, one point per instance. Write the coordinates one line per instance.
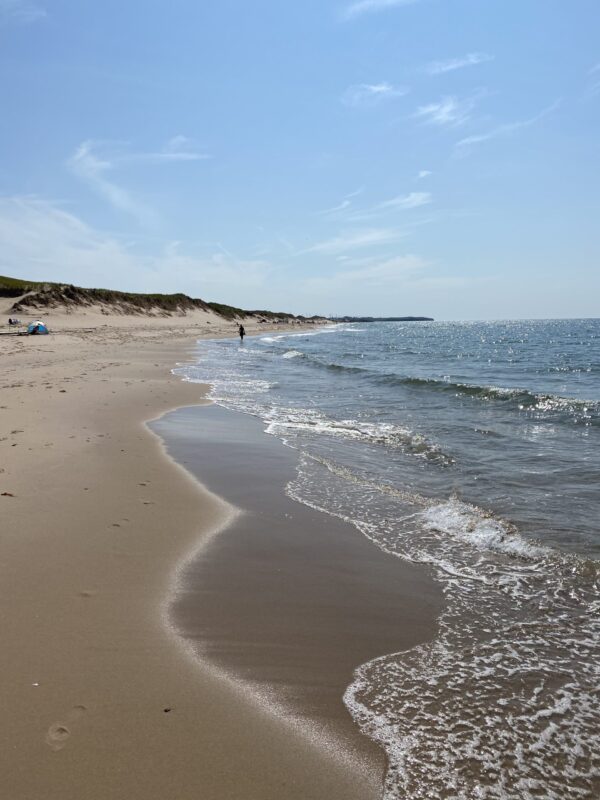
(98, 700)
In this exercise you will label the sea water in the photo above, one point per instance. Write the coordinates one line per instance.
(473, 448)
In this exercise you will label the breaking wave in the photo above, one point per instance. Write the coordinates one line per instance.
(283, 421)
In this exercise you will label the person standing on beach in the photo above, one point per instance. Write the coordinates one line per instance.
(242, 333)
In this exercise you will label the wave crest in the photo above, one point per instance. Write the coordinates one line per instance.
(282, 420)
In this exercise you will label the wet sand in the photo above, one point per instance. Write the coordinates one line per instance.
(288, 601)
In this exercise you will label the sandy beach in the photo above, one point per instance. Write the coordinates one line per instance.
(100, 698)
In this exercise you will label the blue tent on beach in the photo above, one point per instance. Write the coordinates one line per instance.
(37, 328)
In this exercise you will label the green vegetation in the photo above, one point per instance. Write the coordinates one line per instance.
(271, 314)
(41, 295)
(229, 312)
(13, 287)
(50, 295)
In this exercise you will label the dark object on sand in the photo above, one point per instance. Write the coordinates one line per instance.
(37, 328)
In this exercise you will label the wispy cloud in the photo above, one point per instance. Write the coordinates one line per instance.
(388, 272)
(92, 169)
(179, 142)
(216, 272)
(406, 201)
(361, 7)
(448, 112)
(505, 130)
(39, 239)
(20, 11)
(42, 239)
(400, 284)
(93, 161)
(370, 94)
(470, 60)
(178, 148)
(345, 203)
(356, 240)
(335, 209)
(424, 173)
(593, 88)
(401, 202)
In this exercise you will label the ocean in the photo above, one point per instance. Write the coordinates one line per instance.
(472, 448)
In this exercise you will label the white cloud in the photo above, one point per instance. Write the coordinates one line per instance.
(470, 60)
(92, 169)
(389, 273)
(92, 161)
(370, 94)
(340, 207)
(356, 192)
(592, 91)
(594, 88)
(40, 240)
(354, 240)
(450, 111)
(402, 202)
(505, 130)
(20, 11)
(178, 148)
(214, 274)
(344, 204)
(178, 143)
(424, 173)
(401, 284)
(361, 7)
(392, 269)
(406, 201)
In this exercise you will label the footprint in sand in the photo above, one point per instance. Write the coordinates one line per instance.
(60, 732)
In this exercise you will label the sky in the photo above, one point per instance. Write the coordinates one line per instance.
(364, 157)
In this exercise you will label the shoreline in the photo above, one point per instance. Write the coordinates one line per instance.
(267, 708)
(98, 702)
(286, 602)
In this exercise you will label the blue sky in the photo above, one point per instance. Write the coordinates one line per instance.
(382, 157)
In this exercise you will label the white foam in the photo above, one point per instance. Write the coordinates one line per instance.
(304, 334)
(281, 420)
(473, 527)
(500, 705)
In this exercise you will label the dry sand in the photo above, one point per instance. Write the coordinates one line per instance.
(98, 700)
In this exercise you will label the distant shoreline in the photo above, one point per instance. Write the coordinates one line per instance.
(382, 319)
